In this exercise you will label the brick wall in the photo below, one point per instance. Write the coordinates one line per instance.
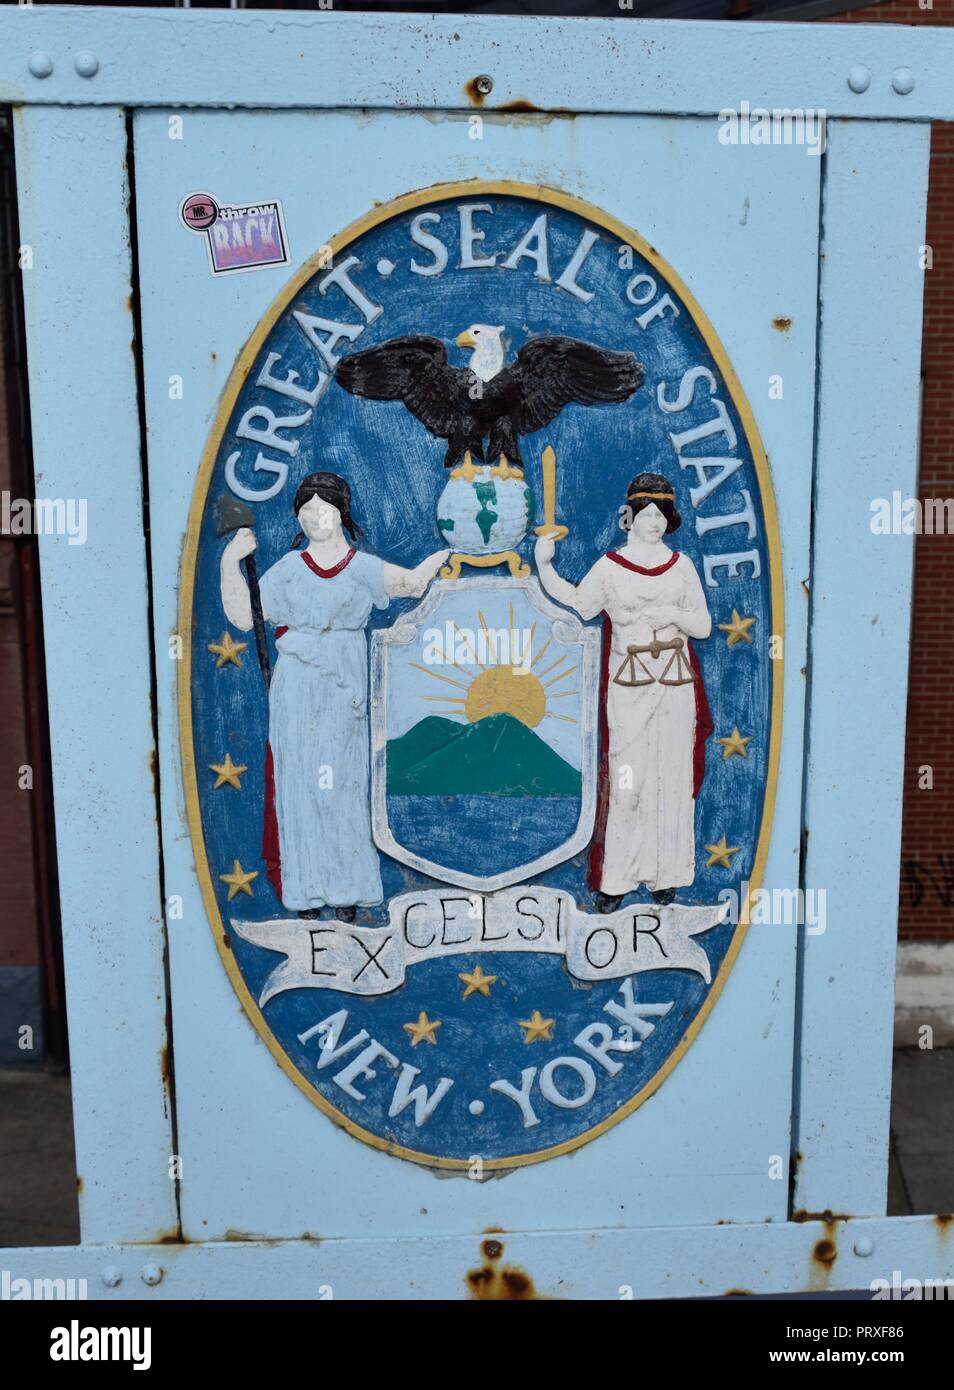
(927, 839)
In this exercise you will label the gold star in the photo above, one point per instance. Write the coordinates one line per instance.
(239, 880)
(477, 981)
(538, 1028)
(735, 743)
(424, 1030)
(228, 772)
(738, 629)
(227, 650)
(719, 854)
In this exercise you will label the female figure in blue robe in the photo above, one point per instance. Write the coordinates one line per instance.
(317, 842)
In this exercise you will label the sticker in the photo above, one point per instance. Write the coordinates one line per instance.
(238, 237)
(479, 712)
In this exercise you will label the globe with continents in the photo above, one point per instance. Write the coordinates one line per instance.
(484, 510)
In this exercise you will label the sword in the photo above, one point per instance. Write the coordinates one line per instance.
(550, 527)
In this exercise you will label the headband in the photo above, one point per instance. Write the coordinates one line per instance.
(661, 496)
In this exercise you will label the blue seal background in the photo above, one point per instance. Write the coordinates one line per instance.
(394, 467)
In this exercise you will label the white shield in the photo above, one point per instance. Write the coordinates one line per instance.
(483, 733)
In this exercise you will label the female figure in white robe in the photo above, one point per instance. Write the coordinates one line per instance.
(655, 718)
(317, 840)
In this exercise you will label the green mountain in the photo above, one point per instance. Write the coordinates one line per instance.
(497, 756)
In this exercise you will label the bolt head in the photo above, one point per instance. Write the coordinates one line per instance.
(40, 64)
(151, 1275)
(902, 80)
(112, 1277)
(864, 1246)
(86, 63)
(484, 84)
(859, 79)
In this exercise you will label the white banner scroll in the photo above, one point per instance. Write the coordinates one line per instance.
(438, 922)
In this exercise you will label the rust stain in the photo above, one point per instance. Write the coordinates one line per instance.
(827, 1218)
(79, 1183)
(943, 1221)
(825, 1253)
(496, 1283)
(153, 765)
(165, 1066)
(519, 104)
(783, 325)
(233, 1235)
(488, 1284)
(738, 1293)
(473, 93)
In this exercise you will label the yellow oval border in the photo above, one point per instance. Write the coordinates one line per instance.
(439, 193)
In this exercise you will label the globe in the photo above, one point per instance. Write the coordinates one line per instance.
(484, 510)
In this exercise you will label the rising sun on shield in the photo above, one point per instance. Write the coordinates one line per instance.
(484, 741)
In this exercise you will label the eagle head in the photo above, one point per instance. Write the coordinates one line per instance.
(487, 357)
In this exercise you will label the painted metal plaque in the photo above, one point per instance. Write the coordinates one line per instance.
(480, 690)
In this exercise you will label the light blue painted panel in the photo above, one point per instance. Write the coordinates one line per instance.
(861, 597)
(165, 57)
(701, 1149)
(86, 446)
(658, 1262)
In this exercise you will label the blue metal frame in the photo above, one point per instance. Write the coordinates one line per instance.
(74, 214)
(407, 62)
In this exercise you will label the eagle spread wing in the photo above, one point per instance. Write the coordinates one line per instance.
(414, 370)
(552, 372)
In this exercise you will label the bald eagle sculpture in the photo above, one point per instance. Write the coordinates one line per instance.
(488, 399)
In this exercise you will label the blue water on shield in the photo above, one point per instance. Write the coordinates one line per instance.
(481, 834)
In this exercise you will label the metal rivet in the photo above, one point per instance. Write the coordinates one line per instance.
(859, 79)
(151, 1275)
(902, 80)
(864, 1246)
(112, 1277)
(484, 84)
(86, 63)
(40, 64)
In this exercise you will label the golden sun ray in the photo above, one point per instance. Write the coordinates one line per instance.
(475, 658)
(445, 699)
(566, 718)
(539, 655)
(563, 695)
(554, 664)
(561, 676)
(428, 672)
